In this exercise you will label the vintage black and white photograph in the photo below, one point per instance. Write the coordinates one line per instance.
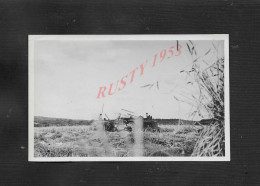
(129, 98)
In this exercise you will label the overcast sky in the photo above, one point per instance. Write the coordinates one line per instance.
(69, 74)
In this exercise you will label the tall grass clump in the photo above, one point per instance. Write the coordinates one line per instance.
(206, 73)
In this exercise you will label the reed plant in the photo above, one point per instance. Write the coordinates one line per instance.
(207, 74)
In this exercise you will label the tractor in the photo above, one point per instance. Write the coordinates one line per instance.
(110, 126)
(148, 123)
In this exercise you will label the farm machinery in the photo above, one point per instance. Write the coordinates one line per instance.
(110, 125)
(148, 123)
(127, 118)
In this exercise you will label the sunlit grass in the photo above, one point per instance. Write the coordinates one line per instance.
(86, 141)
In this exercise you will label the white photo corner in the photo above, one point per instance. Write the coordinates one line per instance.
(129, 98)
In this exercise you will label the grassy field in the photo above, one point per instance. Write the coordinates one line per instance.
(90, 141)
(56, 137)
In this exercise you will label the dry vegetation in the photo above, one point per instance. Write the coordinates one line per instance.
(207, 73)
(89, 141)
(172, 140)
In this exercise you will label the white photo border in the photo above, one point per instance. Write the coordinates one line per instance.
(33, 38)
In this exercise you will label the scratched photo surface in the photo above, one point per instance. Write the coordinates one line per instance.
(128, 98)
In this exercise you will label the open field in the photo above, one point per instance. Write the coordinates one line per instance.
(57, 137)
(89, 141)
